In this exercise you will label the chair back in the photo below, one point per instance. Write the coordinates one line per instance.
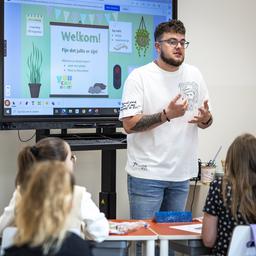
(7, 238)
(242, 242)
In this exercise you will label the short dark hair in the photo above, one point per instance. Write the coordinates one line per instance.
(175, 26)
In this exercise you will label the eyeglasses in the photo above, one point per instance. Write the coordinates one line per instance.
(73, 158)
(174, 42)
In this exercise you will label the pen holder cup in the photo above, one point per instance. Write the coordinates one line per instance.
(207, 174)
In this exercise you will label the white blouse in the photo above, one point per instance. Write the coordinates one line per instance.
(85, 216)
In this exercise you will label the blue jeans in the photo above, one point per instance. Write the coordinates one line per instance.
(150, 196)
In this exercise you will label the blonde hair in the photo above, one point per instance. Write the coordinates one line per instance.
(43, 209)
(240, 176)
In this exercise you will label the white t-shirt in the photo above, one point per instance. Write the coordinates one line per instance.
(169, 151)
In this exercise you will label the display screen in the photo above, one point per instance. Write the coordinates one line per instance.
(70, 59)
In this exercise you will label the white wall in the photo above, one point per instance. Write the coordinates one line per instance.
(222, 39)
(222, 36)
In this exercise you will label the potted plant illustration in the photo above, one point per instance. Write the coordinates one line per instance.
(142, 38)
(34, 63)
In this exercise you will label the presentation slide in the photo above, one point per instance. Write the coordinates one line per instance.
(76, 52)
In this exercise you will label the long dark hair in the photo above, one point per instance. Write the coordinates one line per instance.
(240, 175)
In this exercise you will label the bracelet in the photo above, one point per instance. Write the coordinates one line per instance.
(206, 123)
(166, 115)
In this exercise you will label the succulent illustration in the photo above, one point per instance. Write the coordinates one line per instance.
(142, 38)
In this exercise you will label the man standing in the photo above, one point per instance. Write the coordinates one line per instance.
(164, 103)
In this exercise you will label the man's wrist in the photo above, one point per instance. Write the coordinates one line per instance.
(165, 115)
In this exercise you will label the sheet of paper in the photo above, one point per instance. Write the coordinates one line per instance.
(196, 228)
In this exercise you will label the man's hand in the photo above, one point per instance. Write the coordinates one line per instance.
(204, 117)
(175, 108)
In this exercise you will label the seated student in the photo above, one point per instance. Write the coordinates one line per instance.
(42, 214)
(86, 216)
(231, 200)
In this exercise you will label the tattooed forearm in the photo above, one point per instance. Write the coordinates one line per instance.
(147, 122)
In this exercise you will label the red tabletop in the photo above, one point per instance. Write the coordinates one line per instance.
(165, 229)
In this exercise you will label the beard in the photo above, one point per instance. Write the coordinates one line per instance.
(171, 61)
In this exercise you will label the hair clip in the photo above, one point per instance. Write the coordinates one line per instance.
(34, 150)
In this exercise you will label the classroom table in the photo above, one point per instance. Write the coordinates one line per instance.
(146, 235)
(181, 241)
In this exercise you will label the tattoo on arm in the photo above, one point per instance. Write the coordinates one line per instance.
(146, 122)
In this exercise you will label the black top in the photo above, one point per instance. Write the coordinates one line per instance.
(214, 205)
(73, 245)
